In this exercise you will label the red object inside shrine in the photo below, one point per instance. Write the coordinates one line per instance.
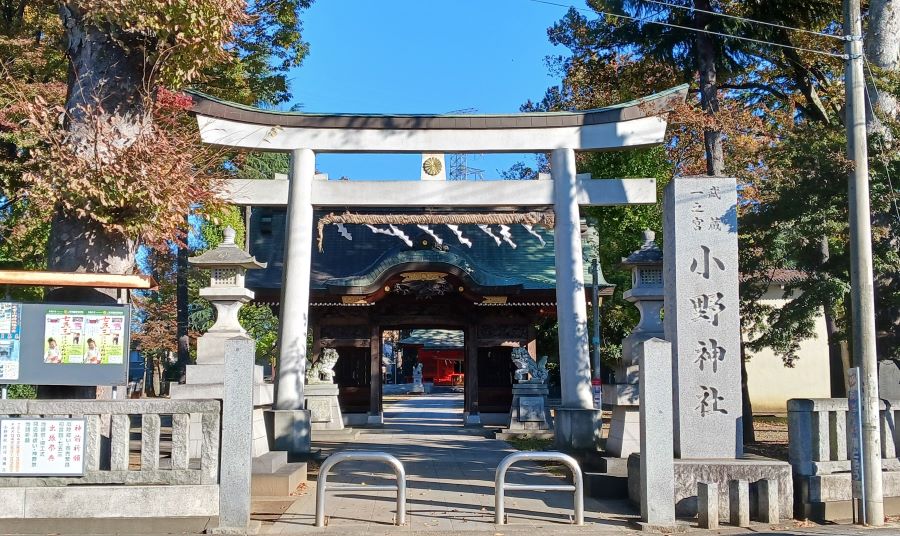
(443, 367)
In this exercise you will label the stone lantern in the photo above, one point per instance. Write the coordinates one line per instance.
(228, 265)
(206, 379)
(647, 295)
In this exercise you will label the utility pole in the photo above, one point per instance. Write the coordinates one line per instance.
(595, 305)
(861, 279)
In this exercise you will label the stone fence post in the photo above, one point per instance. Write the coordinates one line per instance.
(657, 463)
(237, 439)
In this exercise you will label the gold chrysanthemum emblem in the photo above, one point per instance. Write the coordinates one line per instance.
(432, 166)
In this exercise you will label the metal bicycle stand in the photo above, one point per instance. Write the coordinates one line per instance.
(363, 456)
(501, 486)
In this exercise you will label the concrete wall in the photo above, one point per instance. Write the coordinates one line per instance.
(771, 384)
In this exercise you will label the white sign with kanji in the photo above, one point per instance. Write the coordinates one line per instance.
(42, 447)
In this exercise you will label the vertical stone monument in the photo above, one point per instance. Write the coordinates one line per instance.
(646, 294)
(702, 318)
(702, 323)
(418, 387)
(322, 393)
(228, 264)
(528, 415)
(657, 466)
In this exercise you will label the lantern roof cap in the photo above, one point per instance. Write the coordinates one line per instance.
(648, 254)
(227, 255)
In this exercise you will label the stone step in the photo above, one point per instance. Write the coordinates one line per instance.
(504, 436)
(270, 461)
(605, 485)
(330, 436)
(282, 482)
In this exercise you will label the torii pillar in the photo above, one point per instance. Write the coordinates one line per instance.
(290, 421)
(577, 423)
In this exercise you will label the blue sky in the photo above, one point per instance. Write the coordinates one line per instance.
(424, 56)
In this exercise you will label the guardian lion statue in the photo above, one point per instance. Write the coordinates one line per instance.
(322, 371)
(527, 369)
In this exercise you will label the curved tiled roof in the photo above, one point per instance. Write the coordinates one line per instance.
(460, 264)
(650, 105)
(345, 264)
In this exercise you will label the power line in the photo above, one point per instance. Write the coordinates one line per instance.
(745, 19)
(881, 149)
(688, 28)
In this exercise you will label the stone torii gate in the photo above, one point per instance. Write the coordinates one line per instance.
(634, 124)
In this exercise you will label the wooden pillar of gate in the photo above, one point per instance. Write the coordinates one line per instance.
(375, 410)
(471, 412)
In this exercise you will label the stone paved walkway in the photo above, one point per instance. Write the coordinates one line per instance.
(450, 479)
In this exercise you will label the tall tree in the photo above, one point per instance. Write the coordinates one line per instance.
(705, 49)
(882, 49)
(109, 174)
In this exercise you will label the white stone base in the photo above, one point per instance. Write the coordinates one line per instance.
(578, 429)
(290, 431)
(322, 403)
(717, 471)
(375, 420)
(211, 346)
(528, 418)
(624, 432)
(356, 419)
(471, 419)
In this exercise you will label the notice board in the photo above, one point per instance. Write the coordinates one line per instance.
(64, 344)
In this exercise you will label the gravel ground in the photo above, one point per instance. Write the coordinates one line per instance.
(771, 437)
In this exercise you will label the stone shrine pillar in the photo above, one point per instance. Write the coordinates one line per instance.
(577, 422)
(289, 420)
(702, 317)
(646, 294)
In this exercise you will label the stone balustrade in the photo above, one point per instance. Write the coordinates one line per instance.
(131, 442)
(819, 440)
(819, 453)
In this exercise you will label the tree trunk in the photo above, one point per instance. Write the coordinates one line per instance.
(746, 405)
(709, 100)
(882, 51)
(181, 299)
(105, 108)
(836, 361)
(156, 377)
(836, 358)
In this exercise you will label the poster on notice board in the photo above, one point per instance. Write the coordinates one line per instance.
(10, 340)
(91, 337)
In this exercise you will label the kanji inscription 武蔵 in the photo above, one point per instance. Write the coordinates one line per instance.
(701, 315)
